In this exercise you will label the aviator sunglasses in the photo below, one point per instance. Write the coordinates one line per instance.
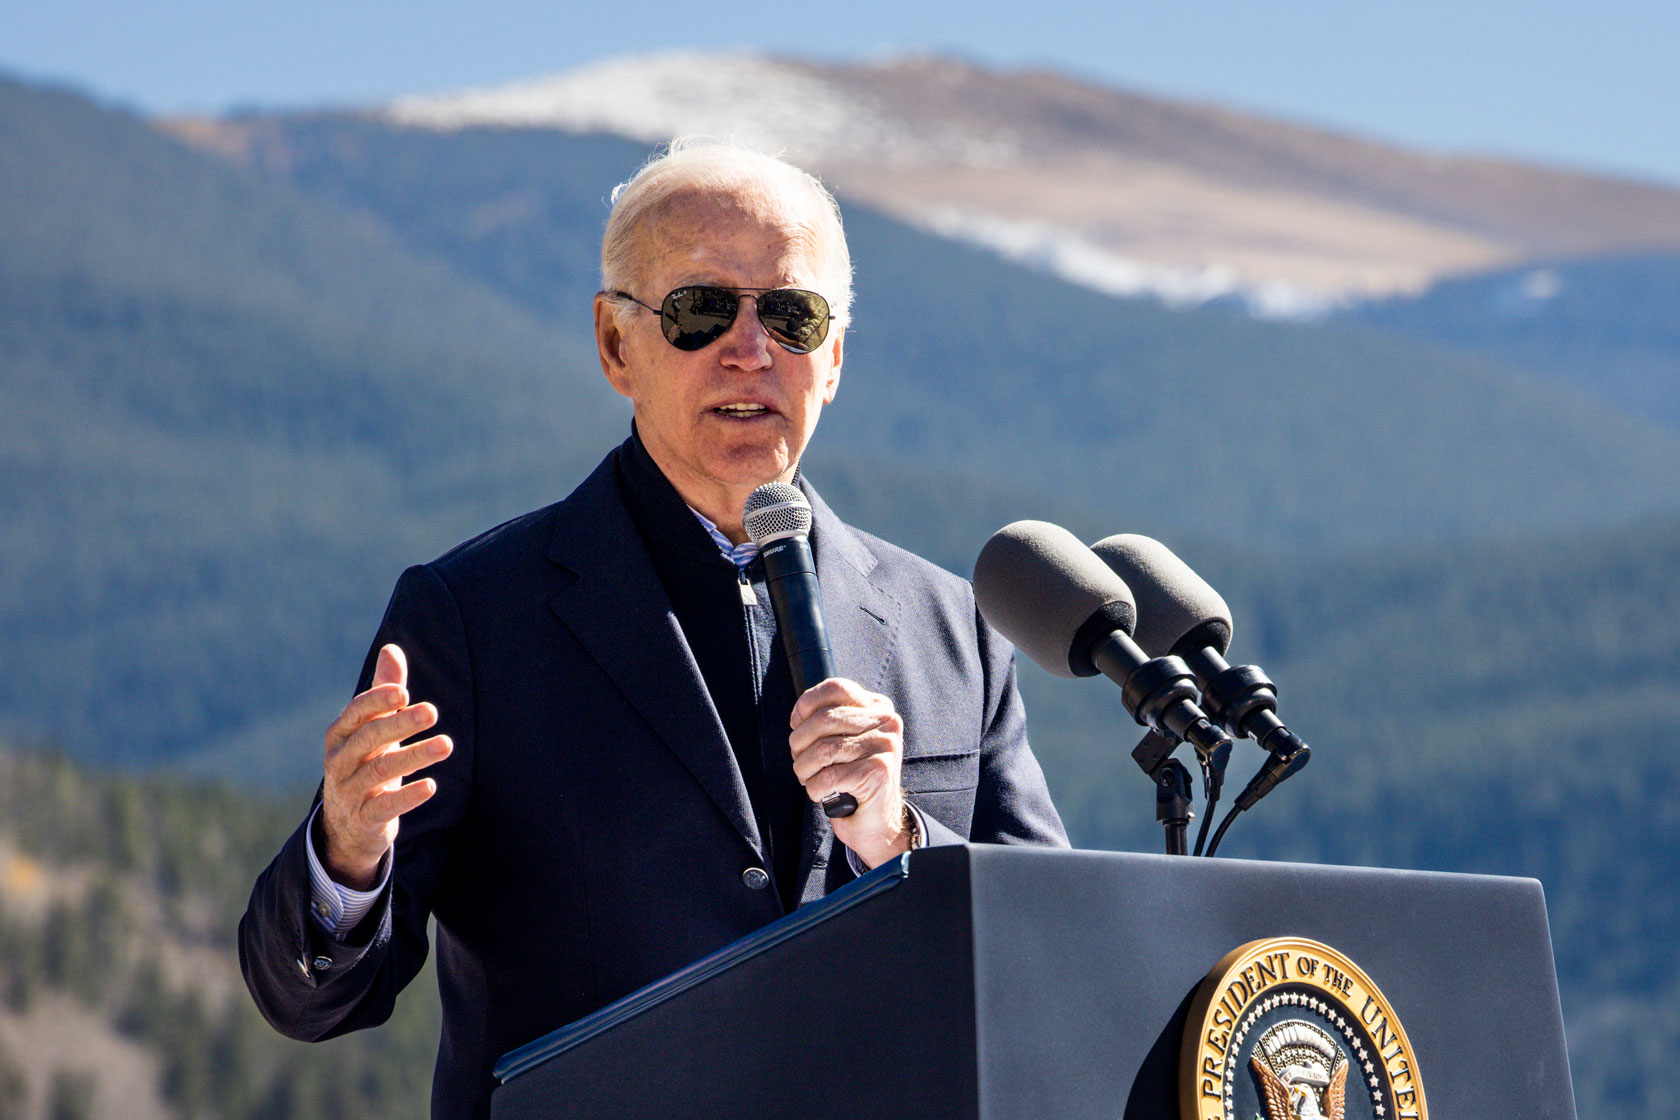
(697, 316)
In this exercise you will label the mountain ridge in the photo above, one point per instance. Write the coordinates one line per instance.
(1066, 170)
(1459, 445)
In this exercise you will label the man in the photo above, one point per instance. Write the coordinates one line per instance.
(621, 778)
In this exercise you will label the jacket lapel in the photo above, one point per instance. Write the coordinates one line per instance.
(617, 609)
(861, 619)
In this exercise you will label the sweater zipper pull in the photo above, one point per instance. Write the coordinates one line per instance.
(747, 596)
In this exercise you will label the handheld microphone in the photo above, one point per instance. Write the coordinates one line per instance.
(1053, 597)
(1180, 614)
(778, 519)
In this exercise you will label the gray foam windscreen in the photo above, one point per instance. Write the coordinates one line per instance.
(1173, 602)
(774, 511)
(1039, 586)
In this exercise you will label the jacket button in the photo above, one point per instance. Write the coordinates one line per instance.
(756, 878)
(322, 963)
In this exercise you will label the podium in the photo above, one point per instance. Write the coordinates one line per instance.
(1001, 982)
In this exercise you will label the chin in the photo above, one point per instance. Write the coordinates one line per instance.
(752, 467)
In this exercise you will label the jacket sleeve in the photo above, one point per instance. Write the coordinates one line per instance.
(307, 984)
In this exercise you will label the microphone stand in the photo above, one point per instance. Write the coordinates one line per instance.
(1160, 694)
(1172, 789)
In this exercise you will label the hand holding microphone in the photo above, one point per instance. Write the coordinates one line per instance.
(847, 742)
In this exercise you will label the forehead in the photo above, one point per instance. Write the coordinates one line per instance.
(732, 236)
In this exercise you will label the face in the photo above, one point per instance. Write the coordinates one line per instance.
(738, 413)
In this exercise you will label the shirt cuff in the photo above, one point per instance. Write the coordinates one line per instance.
(338, 909)
(916, 841)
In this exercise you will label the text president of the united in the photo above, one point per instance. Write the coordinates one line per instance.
(607, 774)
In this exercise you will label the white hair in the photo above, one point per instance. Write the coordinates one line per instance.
(703, 164)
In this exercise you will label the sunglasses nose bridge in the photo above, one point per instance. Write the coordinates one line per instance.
(760, 335)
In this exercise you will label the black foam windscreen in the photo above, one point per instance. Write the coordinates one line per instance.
(1044, 590)
(1177, 612)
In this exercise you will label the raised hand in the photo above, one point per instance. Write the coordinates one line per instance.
(364, 793)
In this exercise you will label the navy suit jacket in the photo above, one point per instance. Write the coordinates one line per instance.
(591, 829)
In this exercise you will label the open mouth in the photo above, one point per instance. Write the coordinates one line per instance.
(741, 411)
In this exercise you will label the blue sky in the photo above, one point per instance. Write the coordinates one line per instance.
(1591, 86)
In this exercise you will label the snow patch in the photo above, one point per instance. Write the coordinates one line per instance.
(1070, 256)
(778, 106)
(1542, 284)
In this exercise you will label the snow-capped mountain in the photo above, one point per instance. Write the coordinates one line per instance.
(1124, 193)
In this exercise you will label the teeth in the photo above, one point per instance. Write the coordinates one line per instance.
(740, 409)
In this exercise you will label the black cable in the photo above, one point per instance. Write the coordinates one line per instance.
(1201, 833)
(1219, 833)
(1213, 784)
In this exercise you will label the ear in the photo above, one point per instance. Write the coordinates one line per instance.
(837, 350)
(613, 346)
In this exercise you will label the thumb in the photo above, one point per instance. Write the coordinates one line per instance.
(392, 666)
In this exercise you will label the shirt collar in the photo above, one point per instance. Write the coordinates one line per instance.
(738, 554)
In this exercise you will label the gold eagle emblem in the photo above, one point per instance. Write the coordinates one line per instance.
(1303, 1073)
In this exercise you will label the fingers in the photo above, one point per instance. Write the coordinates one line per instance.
(865, 779)
(364, 792)
(384, 771)
(387, 693)
(360, 807)
(835, 736)
(379, 700)
(385, 807)
(846, 739)
(839, 721)
(391, 666)
(374, 735)
(823, 694)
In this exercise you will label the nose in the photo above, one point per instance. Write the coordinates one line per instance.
(746, 345)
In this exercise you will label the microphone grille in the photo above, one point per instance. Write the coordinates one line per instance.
(1178, 611)
(1040, 587)
(774, 511)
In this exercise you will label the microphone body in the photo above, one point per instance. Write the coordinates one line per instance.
(778, 519)
(1244, 701)
(791, 574)
(1158, 693)
(1186, 617)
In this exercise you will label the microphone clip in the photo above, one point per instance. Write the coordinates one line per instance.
(1171, 779)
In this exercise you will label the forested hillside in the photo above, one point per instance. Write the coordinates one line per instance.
(1609, 325)
(119, 989)
(223, 401)
(237, 407)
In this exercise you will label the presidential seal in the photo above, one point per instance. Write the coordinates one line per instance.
(1289, 1029)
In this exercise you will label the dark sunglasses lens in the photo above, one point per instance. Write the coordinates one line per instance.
(795, 318)
(697, 317)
